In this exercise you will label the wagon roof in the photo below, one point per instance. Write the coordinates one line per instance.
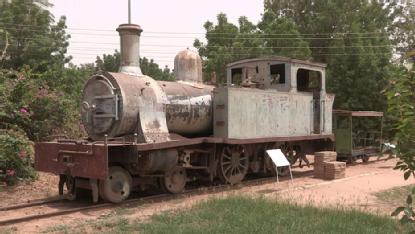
(358, 113)
(278, 59)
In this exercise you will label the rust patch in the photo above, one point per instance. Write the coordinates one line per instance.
(153, 125)
(80, 160)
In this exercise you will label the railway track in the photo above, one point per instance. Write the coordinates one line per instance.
(143, 200)
(31, 204)
(130, 202)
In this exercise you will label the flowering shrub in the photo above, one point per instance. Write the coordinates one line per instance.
(34, 107)
(30, 111)
(16, 157)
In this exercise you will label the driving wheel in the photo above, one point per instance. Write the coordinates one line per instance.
(287, 150)
(174, 181)
(233, 164)
(117, 186)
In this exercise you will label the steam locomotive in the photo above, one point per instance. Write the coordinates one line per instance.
(145, 133)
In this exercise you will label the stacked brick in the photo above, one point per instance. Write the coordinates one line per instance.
(326, 166)
(319, 159)
(334, 170)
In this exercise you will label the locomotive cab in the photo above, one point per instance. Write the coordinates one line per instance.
(278, 73)
(278, 89)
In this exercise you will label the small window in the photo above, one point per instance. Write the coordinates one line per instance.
(236, 76)
(277, 72)
(308, 80)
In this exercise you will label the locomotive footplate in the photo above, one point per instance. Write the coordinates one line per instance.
(90, 159)
(74, 158)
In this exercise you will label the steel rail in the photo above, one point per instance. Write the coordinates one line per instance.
(31, 204)
(135, 201)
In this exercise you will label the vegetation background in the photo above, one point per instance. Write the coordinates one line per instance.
(364, 43)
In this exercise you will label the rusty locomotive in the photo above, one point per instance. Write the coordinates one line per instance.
(144, 132)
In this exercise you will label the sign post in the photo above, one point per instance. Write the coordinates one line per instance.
(279, 160)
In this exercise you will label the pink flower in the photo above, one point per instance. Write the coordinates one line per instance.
(21, 77)
(24, 110)
(10, 172)
(1, 171)
(22, 153)
(42, 93)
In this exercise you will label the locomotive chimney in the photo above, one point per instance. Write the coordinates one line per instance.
(130, 48)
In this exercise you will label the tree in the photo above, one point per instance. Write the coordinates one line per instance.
(152, 69)
(282, 37)
(402, 30)
(111, 63)
(401, 100)
(227, 42)
(219, 49)
(39, 96)
(30, 36)
(352, 38)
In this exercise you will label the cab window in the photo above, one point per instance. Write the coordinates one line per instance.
(277, 72)
(308, 80)
(236, 76)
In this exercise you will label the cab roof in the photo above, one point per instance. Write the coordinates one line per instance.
(277, 59)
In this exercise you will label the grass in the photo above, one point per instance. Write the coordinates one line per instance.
(247, 215)
(58, 229)
(114, 221)
(7, 230)
(395, 196)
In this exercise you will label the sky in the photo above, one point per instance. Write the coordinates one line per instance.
(168, 26)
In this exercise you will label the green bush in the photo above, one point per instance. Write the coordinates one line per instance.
(16, 157)
(38, 109)
(401, 100)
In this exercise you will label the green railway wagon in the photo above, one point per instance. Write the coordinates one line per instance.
(358, 134)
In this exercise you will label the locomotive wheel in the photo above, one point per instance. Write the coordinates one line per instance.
(117, 187)
(271, 169)
(269, 166)
(74, 192)
(351, 159)
(365, 158)
(293, 153)
(174, 181)
(283, 171)
(233, 164)
(70, 187)
(287, 150)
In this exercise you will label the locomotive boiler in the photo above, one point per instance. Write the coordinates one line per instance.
(128, 102)
(145, 133)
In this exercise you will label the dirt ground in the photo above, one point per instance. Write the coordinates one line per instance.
(356, 190)
(45, 187)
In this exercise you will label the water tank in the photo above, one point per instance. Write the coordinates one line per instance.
(188, 66)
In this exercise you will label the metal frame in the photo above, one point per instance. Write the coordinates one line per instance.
(345, 136)
(291, 174)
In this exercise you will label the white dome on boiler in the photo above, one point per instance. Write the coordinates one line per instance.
(188, 66)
